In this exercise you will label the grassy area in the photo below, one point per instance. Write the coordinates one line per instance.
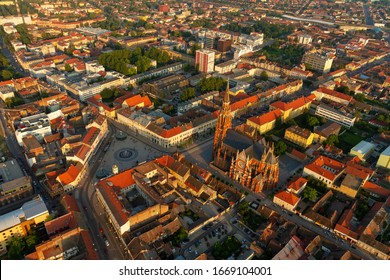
(348, 140)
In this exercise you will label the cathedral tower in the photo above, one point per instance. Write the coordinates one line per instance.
(224, 123)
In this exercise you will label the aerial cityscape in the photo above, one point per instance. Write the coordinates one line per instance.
(195, 130)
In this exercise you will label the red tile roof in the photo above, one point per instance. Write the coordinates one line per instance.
(69, 202)
(165, 160)
(243, 103)
(319, 164)
(83, 151)
(336, 94)
(138, 101)
(374, 188)
(69, 175)
(288, 197)
(295, 104)
(91, 135)
(60, 224)
(297, 184)
(357, 172)
(267, 117)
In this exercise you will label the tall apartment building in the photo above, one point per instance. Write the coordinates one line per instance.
(318, 60)
(205, 59)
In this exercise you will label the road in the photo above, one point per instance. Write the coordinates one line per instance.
(92, 210)
(367, 15)
(6, 52)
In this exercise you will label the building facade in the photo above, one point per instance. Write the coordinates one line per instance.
(204, 59)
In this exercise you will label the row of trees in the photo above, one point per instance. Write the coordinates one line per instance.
(8, 10)
(121, 60)
(212, 83)
(188, 93)
(24, 35)
(6, 71)
(270, 30)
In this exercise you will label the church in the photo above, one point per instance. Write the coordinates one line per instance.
(247, 160)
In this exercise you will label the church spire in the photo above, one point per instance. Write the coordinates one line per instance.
(226, 98)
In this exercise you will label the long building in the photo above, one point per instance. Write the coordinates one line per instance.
(333, 114)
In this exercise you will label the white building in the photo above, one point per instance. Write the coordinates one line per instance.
(335, 115)
(225, 67)
(93, 67)
(37, 125)
(241, 50)
(320, 61)
(304, 39)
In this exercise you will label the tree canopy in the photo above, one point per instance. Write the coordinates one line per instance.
(212, 83)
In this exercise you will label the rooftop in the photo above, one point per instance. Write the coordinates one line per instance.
(363, 147)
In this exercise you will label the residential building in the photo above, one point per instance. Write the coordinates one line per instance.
(319, 60)
(286, 200)
(297, 185)
(362, 150)
(204, 59)
(321, 133)
(304, 39)
(336, 115)
(293, 108)
(300, 136)
(225, 67)
(384, 159)
(18, 223)
(37, 125)
(333, 95)
(324, 169)
(14, 184)
(265, 122)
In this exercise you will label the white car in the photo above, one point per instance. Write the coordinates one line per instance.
(107, 243)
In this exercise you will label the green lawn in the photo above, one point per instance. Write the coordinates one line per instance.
(348, 140)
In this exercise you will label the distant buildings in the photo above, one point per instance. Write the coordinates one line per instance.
(204, 59)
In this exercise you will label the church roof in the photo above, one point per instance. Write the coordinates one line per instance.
(237, 140)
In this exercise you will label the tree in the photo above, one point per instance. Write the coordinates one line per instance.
(360, 97)
(17, 246)
(312, 121)
(188, 93)
(68, 68)
(280, 148)
(6, 75)
(332, 140)
(264, 76)
(310, 193)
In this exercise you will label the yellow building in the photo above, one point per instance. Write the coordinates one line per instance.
(384, 159)
(17, 223)
(294, 108)
(266, 122)
(300, 136)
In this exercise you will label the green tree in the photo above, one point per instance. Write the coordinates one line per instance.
(312, 121)
(332, 140)
(188, 93)
(280, 148)
(6, 75)
(310, 193)
(360, 97)
(17, 246)
(68, 68)
(264, 76)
